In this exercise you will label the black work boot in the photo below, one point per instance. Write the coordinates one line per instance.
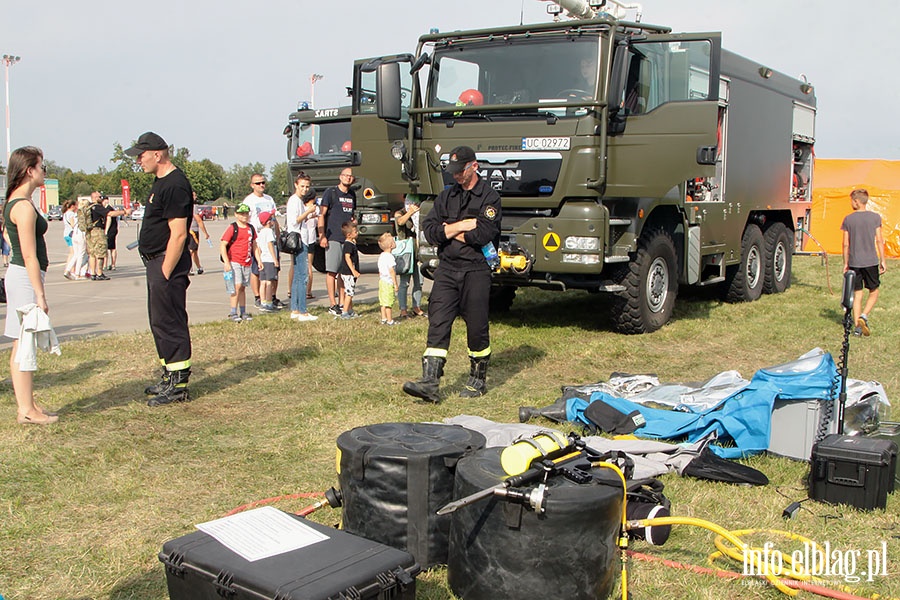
(427, 387)
(555, 412)
(152, 390)
(476, 385)
(176, 391)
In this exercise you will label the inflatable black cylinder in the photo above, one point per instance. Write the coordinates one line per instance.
(395, 476)
(504, 550)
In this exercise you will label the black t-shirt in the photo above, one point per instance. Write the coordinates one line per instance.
(351, 249)
(171, 197)
(98, 215)
(340, 207)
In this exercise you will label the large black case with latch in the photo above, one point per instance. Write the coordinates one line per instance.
(342, 567)
(853, 470)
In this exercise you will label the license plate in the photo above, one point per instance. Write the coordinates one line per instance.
(546, 143)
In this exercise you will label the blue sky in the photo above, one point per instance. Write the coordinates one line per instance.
(221, 77)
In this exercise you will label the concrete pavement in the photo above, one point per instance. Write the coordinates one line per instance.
(88, 308)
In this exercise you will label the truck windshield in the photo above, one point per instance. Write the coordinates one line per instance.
(551, 71)
(323, 138)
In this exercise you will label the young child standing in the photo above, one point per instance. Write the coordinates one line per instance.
(238, 244)
(387, 277)
(863, 250)
(349, 269)
(267, 257)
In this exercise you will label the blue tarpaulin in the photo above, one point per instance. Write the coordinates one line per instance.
(742, 421)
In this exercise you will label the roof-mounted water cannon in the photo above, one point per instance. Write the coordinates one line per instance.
(590, 9)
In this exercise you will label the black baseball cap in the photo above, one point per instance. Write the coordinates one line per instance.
(459, 158)
(147, 141)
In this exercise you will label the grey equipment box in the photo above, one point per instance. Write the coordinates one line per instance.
(198, 567)
(795, 424)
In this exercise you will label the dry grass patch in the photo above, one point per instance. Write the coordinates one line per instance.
(86, 505)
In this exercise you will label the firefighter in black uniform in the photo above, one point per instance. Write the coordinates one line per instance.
(465, 217)
(164, 250)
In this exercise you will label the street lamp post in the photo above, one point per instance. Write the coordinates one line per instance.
(8, 60)
(312, 104)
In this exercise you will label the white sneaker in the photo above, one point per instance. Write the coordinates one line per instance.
(307, 317)
(295, 315)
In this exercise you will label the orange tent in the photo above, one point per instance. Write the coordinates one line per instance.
(833, 180)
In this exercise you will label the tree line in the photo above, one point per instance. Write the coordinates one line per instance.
(212, 182)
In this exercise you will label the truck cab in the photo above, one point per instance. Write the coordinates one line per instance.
(319, 143)
(629, 159)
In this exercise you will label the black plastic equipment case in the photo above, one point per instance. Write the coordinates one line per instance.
(344, 566)
(853, 470)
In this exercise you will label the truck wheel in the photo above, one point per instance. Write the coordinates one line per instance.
(779, 252)
(501, 298)
(651, 285)
(745, 281)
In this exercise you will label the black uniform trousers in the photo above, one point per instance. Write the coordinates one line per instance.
(459, 293)
(167, 309)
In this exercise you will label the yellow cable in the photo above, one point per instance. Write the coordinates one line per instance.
(721, 531)
(623, 533)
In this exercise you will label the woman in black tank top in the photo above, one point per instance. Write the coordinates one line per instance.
(25, 229)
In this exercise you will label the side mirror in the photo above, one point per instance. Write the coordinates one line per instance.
(387, 88)
(422, 60)
(847, 296)
(616, 91)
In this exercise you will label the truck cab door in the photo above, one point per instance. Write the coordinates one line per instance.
(670, 104)
(373, 136)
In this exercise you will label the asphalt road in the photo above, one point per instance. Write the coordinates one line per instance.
(88, 308)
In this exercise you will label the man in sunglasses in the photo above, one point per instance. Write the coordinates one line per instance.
(259, 201)
(465, 217)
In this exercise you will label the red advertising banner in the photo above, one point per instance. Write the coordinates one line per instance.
(44, 199)
(126, 194)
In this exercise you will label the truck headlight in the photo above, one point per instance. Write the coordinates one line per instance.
(373, 218)
(582, 243)
(398, 150)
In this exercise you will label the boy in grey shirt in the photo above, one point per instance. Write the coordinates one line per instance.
(864, 254)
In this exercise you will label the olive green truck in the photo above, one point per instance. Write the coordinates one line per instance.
(630, 159)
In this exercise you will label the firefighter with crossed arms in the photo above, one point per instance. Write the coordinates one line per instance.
(465, 217)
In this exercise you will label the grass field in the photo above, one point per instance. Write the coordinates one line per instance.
(86, 505)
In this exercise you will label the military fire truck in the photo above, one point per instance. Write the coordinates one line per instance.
(630, 159)
(319, 144)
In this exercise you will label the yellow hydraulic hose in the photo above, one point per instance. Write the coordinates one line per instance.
(738, 550)
(623, 532)
(723, 533)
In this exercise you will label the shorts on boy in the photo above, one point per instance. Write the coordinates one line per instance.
(867, 277)
(268, 272)
(349, 284)
(96, 243)
(193, 241)
(241, 274)
(334, 256)
(386, 294)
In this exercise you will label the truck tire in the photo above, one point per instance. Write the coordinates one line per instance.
(651, 285)
(501, 298)
(745, 281)
(779, 252)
